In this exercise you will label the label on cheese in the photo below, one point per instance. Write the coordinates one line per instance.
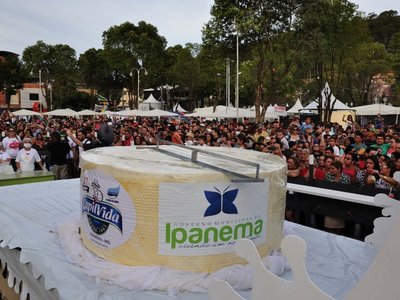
(108, 213)
(208, 218)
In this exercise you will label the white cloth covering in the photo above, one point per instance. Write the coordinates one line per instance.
(155, 277)
(28, 220)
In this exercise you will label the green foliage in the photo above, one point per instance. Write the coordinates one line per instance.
(59, 67)
(77, 101)
(129, 46)
(384, 26)
(266, 39)
(287, 49)
(12, 76)
(331, 32)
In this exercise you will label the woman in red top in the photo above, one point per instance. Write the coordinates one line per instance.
(320, 173)
(348, 166)
(175, 136)
(393, 144)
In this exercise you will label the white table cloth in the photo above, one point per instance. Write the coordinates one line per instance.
(29, 215)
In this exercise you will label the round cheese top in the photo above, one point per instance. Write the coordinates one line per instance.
(167, 160)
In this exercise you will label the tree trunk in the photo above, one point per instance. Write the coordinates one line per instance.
(260, 86)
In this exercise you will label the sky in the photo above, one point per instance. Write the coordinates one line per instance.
(80, 23)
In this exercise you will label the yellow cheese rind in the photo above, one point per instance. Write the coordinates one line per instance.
(140, 172)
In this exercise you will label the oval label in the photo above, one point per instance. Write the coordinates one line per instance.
(108, 215)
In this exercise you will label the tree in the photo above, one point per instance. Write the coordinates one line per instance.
(366, 61)
(60, 61)
(384, 26)
(330, 32)
(95, 72)
(12, 76)
(129, 46)
(261, 26)
(394, 49)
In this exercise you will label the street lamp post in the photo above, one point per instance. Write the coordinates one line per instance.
(40, 84)
(237, 74)
(228, 84)
(51, 95)
(138, 80)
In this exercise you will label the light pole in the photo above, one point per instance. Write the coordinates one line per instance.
(228, 84)
(51, 95)
(40, 84)
(237, 73)
(138, 80)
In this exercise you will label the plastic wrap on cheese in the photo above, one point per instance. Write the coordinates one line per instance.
(148, 206)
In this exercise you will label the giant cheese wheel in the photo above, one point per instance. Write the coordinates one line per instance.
(154, 206)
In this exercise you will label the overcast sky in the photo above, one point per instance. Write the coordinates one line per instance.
(80, 23)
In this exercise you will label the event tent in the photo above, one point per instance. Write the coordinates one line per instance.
(25, 112)
(178, 108)
(107, 112)
(295, 108)
(339, 109)
(156, 113)
(150, 103)
(276, 109)
(66, 112)
(128, 113)
(335, 103)
(374, 109)
(87, 112)
(221, 111)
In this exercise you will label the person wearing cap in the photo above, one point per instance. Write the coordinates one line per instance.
(189, 141)
(27, 157)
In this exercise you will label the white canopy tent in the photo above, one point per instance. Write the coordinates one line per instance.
(178, 108)
(66, 112)
(295, 108)
(232, 112)
(150, 103)
(25, 113)
(128, 113)
(273, 110)
(221, 111)
(339, 109)
(156, 113)
(335, 103)
(107, 112)
(280, 110)
(270, 114)
(374, 109)
(87, 112)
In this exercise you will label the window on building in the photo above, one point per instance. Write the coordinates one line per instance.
(33, 97)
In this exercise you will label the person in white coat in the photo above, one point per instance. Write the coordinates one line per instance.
(5, 159)
(27, 157)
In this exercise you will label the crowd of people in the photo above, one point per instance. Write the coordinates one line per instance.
(352, 154)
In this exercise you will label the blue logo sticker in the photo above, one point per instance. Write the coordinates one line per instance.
(221, 202)
(103, 214)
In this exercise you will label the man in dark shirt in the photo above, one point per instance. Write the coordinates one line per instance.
(58, 156)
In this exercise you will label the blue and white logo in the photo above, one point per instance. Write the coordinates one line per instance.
(221, 201)
(207, 218)
(108, 213)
